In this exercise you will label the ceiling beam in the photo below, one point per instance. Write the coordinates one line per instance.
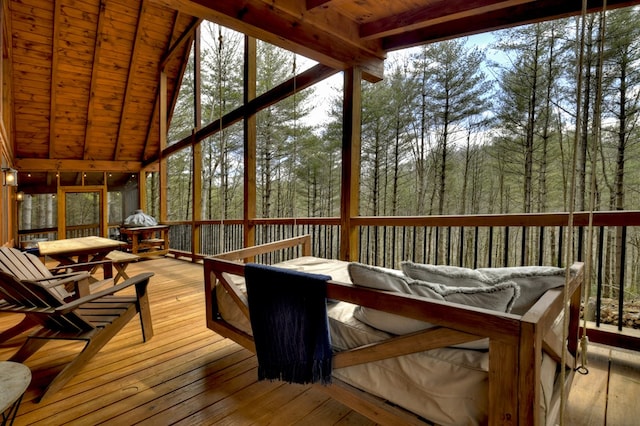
(319, 34)
(436, 13)
(527, 13)
(312, 4)
(49, 165)
(186, 36)
(282, 91)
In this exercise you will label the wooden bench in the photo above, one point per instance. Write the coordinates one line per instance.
(121, 260)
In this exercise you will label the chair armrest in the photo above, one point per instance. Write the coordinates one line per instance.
(136, 280)
(78, 280)
(61, 279)
(83, 266)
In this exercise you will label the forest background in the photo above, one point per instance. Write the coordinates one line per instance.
(454, 128)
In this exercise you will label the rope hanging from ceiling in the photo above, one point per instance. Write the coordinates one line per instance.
(583, 349)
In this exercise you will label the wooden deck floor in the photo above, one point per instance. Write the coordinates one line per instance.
(186, 374)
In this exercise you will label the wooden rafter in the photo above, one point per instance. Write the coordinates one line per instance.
(312, 4)
(436, 13)
(323, 34)
(184, 37)
(517, 14)
(54, 76)
(278, 93)
(91, 106)
(45, 165)
(126, 100)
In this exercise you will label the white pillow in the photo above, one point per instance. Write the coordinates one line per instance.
(499, 297)
(379, 278)
(444, 274)
(533, 281)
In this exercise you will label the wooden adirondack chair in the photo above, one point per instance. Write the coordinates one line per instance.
(93, 318)
(26, 266)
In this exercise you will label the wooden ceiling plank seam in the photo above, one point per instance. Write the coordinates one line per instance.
(88, 133)
(54, 77)
(436, 13)
(127, 91)
(312, 4)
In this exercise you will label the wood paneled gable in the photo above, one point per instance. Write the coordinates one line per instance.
(86, 79)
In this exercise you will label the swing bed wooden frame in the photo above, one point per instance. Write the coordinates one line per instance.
(516, 343)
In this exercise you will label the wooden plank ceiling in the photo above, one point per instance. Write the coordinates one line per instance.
(85, 81)
(85, 73)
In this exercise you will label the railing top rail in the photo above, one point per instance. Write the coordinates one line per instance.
(607, 218)
(600, 218)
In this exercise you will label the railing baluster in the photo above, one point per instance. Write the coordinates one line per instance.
(414, 243)
(560, 245)
(490, 248)
(622, 264)
(523, 247)
(475, 247)
(437, 245)
(448, 248)
(541, 246)
(580, 243)
(461, 249)
(506, 246)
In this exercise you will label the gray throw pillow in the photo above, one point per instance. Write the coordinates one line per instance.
(499, 297)
(533, 281)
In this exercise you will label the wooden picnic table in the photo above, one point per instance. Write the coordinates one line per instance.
(83, 250)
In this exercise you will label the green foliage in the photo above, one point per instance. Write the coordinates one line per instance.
(447, 131)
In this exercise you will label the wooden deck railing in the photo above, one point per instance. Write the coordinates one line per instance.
(473, 241)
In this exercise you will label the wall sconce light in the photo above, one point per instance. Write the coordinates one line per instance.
(19, 196)
(9, 177)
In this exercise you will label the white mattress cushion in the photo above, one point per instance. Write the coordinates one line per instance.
(447, 386)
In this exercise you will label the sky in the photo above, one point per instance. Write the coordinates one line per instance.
(324, 90)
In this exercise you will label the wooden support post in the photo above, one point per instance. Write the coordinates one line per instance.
(142, 189)
(62, 210)
(350, 190)
(196, 147)
(249, 142)
(162, 169)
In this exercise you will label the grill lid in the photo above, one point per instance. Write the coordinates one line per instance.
(139, 218)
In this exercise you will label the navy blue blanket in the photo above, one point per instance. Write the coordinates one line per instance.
(288, 311)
